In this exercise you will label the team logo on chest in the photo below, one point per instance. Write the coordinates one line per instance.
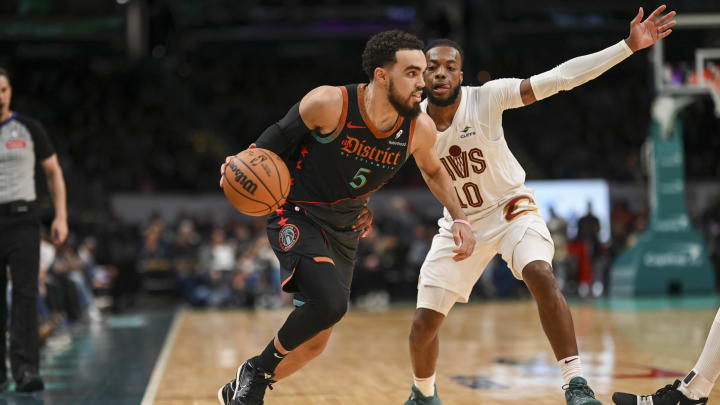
(458, 162)
(289, 235)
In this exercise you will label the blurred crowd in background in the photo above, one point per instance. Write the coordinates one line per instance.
(230, 265)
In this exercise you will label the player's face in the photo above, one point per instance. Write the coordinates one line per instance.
(443, 75)
(405, 82)
(5, 94)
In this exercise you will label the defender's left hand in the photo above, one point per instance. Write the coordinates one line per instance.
(647, 33)
(363, 224)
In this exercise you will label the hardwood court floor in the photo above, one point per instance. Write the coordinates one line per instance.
(491, 353)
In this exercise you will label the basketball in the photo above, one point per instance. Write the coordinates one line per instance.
(257, 182)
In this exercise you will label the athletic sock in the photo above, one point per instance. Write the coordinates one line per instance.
(270, 358)
(425, 385)
(571, 367)
(699, 382)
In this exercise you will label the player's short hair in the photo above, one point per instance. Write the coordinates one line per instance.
(4, 72)
(445, 42)
(380, 49)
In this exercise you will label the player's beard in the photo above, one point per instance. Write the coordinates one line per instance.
(407, 108)
(443, 102)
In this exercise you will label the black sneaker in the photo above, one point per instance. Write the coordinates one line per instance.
(29, 382)
(248, 387)
(668, 395)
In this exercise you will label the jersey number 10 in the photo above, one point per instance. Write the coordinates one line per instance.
(472, 195)
(459, 164)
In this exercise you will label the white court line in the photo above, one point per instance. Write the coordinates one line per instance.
(161, 363)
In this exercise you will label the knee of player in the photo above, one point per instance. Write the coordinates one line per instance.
(539, 277)
(334, 308)
(423, 327)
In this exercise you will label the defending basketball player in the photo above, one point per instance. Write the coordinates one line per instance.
(341, 144)
(504, 216)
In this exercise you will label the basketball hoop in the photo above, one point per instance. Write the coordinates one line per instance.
(707, 74)
(714, 89)
(684, 79)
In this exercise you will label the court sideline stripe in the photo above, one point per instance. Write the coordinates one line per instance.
(161, 363)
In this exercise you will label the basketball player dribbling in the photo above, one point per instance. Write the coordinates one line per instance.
(504, 216)
(341, 144)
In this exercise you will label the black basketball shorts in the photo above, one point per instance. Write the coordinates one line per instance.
(292, 235)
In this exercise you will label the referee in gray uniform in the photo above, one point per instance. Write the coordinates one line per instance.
(23, 143)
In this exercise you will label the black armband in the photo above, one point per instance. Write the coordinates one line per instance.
(285, 134)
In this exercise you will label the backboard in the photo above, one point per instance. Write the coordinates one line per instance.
(690, 64)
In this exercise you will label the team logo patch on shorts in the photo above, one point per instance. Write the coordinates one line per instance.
(518, 207)
(289, 235)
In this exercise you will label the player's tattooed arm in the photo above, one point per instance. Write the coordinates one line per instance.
(438, 181)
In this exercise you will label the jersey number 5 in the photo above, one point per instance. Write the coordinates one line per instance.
(472, 195)
(359, 180)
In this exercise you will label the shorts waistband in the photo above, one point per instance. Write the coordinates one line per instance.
(18, 207)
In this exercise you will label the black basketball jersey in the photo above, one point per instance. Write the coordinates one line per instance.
(334, 174)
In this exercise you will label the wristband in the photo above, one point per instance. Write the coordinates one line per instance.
(461, 221)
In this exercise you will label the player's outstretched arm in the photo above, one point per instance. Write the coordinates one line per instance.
(437, 179)
(577, 71)
(319, 110)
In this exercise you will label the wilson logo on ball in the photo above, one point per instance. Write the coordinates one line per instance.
(241, 179)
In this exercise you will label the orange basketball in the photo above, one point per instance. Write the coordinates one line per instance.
(257, 182)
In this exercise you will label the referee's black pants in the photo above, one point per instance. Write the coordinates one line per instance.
(20, 251)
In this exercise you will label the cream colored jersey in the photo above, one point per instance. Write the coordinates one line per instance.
(474, 152)
(490, 184)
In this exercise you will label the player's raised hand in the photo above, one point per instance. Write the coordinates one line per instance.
(464, 240)
(646, 33)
